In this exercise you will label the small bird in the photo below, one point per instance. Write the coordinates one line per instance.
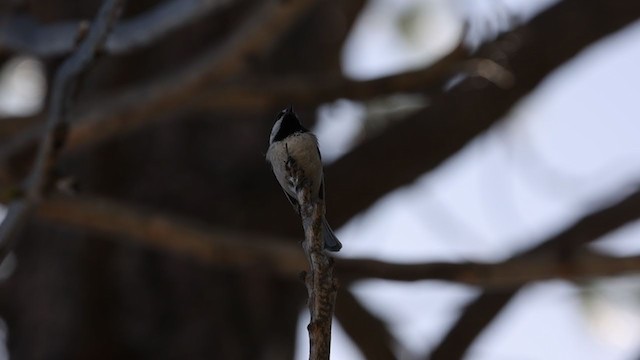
(290, 139)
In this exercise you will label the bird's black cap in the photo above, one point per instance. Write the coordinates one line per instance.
(289, 124)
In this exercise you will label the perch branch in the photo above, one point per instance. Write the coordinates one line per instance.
(57, 122)
(321, 285)
(24, 34)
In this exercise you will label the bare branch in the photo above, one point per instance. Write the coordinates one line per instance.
(57, 121)
(507, 274)
(477, 315)
(24, 34)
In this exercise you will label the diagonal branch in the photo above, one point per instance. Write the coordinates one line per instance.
(24, 34)
(369, 333)
(477, 315)
(57, 121)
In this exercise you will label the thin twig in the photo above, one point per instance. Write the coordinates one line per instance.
(23, 34)
(57, 121)
(322, 287)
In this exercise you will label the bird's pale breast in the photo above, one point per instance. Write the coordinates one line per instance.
(303, 148)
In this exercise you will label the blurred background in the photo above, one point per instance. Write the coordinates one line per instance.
(493, 144)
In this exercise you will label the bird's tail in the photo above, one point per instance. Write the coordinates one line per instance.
(331, 242)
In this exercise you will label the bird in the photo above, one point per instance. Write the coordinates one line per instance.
(290, 140)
